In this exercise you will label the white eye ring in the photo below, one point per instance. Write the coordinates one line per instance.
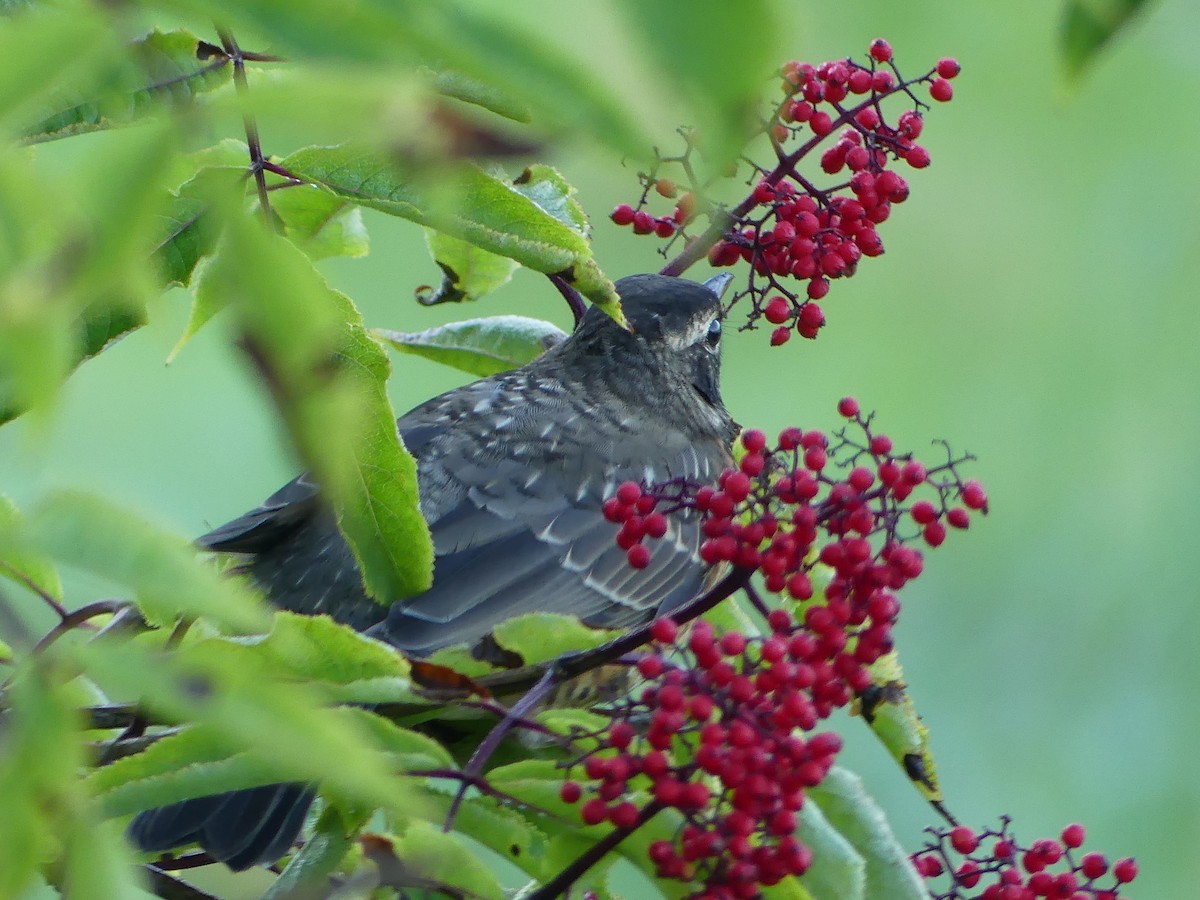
(714, 333)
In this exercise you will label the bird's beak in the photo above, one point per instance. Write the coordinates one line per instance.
(718, 283)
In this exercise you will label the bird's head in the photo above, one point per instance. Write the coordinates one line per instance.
(669, 360)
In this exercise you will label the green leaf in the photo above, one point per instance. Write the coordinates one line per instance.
(425, 850)
(1088, 25)
(320, 224)
(162, 569)
(503, 830)
(719, 72)
(479, 346)
(28, 568)
(283, 726)
(45, 49)
(329, 381)
(322, 853)
(857, 817)
(467, 271)
(467, 203)
(546, 187)
(195, 762)
(99, 864)
(537, 637)
(162, 71)
(888, 708)
(480, 93)
(39, 757)
(838, 871)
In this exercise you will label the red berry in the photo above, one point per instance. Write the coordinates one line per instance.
(754, 440)
(777, 310)
(934, 534)
(974, 496)
(881, 445)
(881, 50)
(1093, 865)
(638, 556)
(594, 811)
(570, 792)
(848, 407)
(629, 492)
(811, 319)
(821, 124)
(910, 124)
(623, 214)
(664, 228)
(941, 90)
(624, 815)
(923, 512)
(917, 157)
(643, 222)
(655, 524)
(1073, 835)
(948, 67)
(818, 288)
(958, 518)
(1125, 870)
(964, 840)
(859, 81)
(664, 631)
(780, 335)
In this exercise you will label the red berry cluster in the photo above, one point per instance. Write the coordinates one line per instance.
(724, 747)
(962, 864)
(789, 227)
(849, 499)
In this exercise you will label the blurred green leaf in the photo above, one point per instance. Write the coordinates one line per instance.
(99, 864)
(467, 203)
(426, 852)
(502, 830)
(1087, 25)
(468, 272)
(162, 569)
(328, 377)
(480, 93)
(27, 568)
(718, 72)
(46, 48)
(537, 71)
(163, 70)
(479, 346)
(321, 854)
(284, 726)
(850, 810)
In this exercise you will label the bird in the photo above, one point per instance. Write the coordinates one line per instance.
(512, 472)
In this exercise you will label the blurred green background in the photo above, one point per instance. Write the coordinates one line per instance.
(1036, 306)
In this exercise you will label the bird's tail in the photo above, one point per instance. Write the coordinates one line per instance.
(239, 828)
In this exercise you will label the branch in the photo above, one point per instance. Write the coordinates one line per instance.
(257, 160)
(574, 301)
(163, 885)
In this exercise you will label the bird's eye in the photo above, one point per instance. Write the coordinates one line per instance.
(714, 333)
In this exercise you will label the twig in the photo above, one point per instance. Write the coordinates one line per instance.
(33, 586)
(72, 620)
(574, 301)
(257, 160)
(163, 885)
(558, 885)
(488, 745)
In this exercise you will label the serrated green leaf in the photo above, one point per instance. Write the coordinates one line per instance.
(469, 204)
(479, 346)
(499, 828)
(161, 569)
(329, 381)
(851, 811)
(537, 637)
(29, 569)
(196, 762)
(888, 708)
(99, 864)
(467, 271)
(163, 70)
(1088, 25)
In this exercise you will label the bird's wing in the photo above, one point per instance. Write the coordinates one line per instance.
(266, 525)
(518, 529)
